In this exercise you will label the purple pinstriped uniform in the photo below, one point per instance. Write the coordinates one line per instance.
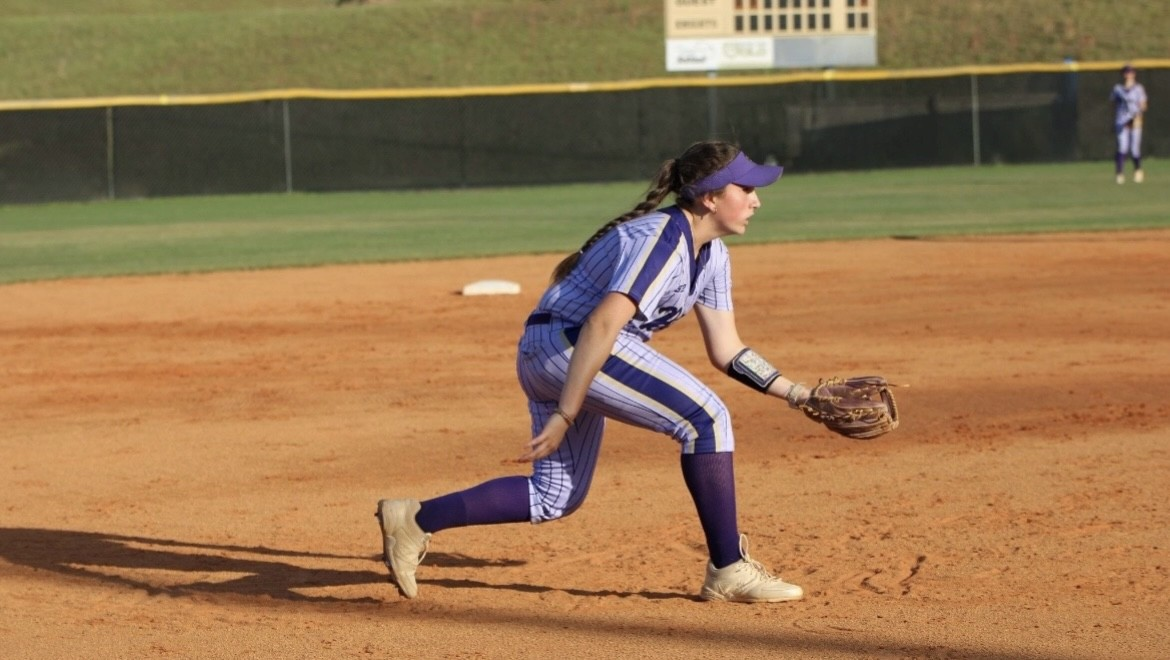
(650, 260)
(1127, 104)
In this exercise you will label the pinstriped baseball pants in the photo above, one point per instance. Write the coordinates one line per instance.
(637, 385)
(1129, 141)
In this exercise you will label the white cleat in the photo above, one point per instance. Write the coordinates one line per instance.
(404, 544)
(1120, 179)
(1139, 176)
(746, 581)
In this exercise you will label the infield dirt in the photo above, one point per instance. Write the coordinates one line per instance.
(191, 463)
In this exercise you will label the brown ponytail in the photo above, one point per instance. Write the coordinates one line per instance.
(698, 161)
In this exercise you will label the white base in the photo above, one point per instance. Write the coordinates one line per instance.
(491, 288)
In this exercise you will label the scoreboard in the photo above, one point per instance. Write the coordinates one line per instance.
(713, 35)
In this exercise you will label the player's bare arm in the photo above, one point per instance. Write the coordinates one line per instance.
(594, 346)
(723, 343)
(720, 335)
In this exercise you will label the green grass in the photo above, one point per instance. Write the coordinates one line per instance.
(263, 231)
(84, 48)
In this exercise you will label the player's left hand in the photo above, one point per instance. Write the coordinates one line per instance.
(861, 407)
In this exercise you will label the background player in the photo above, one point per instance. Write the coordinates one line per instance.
(1129, 104)
(584, 358)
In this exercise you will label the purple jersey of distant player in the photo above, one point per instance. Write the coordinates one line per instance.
(1127, 103)
(651, 260)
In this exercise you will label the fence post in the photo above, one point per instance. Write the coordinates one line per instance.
(712, 107)
(288, 175)
(110, 190)
(975, 118)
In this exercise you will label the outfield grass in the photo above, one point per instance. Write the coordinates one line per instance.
(196, 234)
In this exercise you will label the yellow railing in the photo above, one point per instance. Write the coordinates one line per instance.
(845, 75)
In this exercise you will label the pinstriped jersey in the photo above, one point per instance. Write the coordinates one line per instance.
(1127, 102)
(651, 260)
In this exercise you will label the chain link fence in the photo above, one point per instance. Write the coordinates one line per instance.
(411, 139)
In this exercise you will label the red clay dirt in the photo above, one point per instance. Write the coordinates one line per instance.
(191, 463)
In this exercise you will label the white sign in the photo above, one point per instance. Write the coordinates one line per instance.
(718, 54)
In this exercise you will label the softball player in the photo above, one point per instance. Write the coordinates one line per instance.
(1129, 104)
(584, 358)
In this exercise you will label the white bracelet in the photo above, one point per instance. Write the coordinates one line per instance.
(795, 395)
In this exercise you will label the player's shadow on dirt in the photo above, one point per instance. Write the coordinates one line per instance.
(177, 568)
(163, 566)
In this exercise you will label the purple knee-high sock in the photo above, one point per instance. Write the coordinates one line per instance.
(711, 480)
(1137, 162)
(502, 500)
(1119, 161)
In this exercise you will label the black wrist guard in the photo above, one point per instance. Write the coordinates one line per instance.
(751, 369)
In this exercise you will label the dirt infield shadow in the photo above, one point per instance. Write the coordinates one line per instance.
(115, 559)
(193, 567)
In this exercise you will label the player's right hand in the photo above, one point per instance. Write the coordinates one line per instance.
(545, 442)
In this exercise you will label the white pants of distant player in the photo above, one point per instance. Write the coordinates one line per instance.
(1129, 144)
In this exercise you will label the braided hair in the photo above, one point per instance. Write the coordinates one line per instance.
(699, 161)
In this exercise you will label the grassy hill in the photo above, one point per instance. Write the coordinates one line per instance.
(78, 48)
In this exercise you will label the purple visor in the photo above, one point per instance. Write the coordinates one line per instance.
(741, 171)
